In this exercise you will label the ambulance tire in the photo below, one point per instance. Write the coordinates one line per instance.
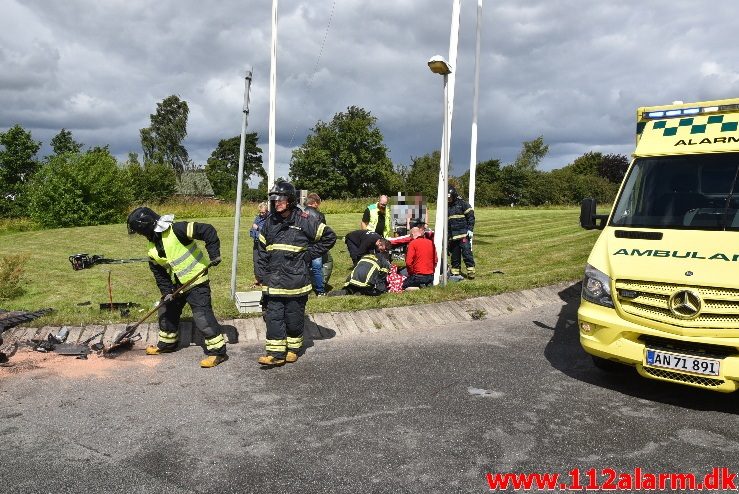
(609, 366)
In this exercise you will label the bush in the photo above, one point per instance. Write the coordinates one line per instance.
(80, 190)
(11, 270)
(152, 183)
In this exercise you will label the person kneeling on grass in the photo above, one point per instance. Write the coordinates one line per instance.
(369, 276)
(420, 260)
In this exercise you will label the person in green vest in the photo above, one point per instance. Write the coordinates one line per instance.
(378, 218)
(176, 259)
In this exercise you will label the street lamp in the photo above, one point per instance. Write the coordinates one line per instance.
(438, 65)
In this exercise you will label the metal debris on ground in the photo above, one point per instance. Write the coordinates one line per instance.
(123, 307)
(12, 318)
(49, 343)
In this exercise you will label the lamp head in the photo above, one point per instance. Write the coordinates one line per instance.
(438, 65)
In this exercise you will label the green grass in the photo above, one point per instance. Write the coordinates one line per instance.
(533, 247)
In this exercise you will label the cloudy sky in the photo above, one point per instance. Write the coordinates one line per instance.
(573, 71)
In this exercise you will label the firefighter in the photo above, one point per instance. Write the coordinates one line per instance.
(175, 259)
(369, 276)
(288, 242)
(461, 224)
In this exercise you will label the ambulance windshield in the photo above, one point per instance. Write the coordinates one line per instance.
(693, 192)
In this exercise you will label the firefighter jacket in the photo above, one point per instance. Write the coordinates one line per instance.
(370, 273)
(175, 258)
(286, 248)
(461, 219)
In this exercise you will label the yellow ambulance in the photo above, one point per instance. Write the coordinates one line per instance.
(661, 286)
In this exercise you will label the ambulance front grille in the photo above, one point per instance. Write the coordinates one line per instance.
(706, 382)
(650, 300)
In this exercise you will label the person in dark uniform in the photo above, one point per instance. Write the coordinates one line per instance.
(312, 207)
(461, 219)
(176, 259)
(289, 240)
(361, 242)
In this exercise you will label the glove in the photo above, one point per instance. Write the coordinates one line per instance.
(167, 298)
(216, 261)
(470, 234)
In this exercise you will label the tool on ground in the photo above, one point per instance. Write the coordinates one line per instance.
(126, 336)
(110, 291)
(84, 261)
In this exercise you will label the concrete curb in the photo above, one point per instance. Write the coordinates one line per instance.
(331, 324)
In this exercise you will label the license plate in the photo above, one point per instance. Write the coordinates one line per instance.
(680, 362)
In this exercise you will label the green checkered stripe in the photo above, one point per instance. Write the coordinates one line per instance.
(697, 125)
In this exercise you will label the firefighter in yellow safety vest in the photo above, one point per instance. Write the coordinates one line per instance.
(176, 259)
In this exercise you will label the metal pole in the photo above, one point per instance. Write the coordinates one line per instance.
(449, 97)
(440, 222)
(272, 99)
(239, 184)
(475, 98)
(445, 202)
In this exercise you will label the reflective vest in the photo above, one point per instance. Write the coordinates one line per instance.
(183, 262)
(375, 217)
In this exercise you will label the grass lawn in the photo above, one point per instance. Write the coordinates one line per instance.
(533, 247)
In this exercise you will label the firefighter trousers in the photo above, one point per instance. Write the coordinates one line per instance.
(461, 249)
(202, 316)
(285, 318)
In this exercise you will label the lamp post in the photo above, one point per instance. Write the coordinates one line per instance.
(239, 183)
(438, 65)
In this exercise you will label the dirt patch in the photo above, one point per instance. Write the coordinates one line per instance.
(27, 361)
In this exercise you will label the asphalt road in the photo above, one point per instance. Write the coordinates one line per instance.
(431, 410)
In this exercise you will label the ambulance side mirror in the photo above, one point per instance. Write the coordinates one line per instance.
(588, 219)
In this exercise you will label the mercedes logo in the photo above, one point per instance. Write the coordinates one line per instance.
(685, 304)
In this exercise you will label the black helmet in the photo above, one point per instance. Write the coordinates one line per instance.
(143, 221)
(284, 190)
(453, 195)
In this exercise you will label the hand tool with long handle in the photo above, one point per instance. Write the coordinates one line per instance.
(127, 336)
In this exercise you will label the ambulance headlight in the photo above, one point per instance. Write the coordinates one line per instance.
(596, 287)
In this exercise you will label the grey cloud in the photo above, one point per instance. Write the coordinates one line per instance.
(573, 71)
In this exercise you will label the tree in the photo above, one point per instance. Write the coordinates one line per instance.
(423, 177)
(64, 143)
(222, 168)
(613, 167)
(79, 190)
(150, 183)
(531, 154)
(18, 164)
(487, 183)
(162, 140)
(516, 178)
(344, 158)
(587, 164)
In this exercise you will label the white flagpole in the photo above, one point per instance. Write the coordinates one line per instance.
(272, 99)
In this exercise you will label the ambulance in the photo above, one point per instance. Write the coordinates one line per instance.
(661, 285)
